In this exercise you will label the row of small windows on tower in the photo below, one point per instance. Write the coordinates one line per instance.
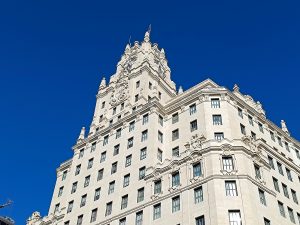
(280, 168)
(285, 190)
(290, 212)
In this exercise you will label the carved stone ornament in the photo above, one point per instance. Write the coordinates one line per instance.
(252, 144)
(195, 142)
(226, 148)
(120, 91)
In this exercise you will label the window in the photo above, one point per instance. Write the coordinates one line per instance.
(118, 133)
(139, 218)
(142, 172)
(103, 105)
(217, 120)
(280, 170)
(108, 209)
(240, 112)
(271, 163)
(77, 170)
(94, 215)
(128, 160)
(250, 120)
(93, 147)
(56, 209)
(230, 188)
(145, 118)
(193, 109)
(200, 220)
(97, 194)
(160, 137)
(262, 197)
(285, 190)
(289, 175)
(272, 135)
(198, 195)
(175, 204)
(193, 125)
(110, 124)
(281, 209)
(159, 95)
(87, 181)
(197, 170)
(101, 119)
(70, 206)
(143, 153)
(261, 128)
(103, 157)
(131, 126)
(175, 118)
(144, 135)
(116, 149)
(160, 120)
(114, 110)
(83, 200)
(81, 153)
(215, 103)
(79, 220)
(267, 222)
(100, 174)
(159, 155)
(137, 84)
(235, 217)
(126, 180)
(253, 135)
(294, 195)
(287, 146)
(111, 187)
(219, 136)
(140, 195)
(90, 163)
(150, 85)
(279, 141)
(67, 222)
(243, 129)
(257, 171)
(124, 202)
(298, 215)
(175, 179)
(297, 153)
(291, 215)
(175, 152)
(276, 185)
(64, 176)
(175, 134)
(157, 186)
(156, 211)
(114, 167)
(136, 98)
(105, 140)
(60, 191)
(74, 187)
(227, 162)
(122, 106)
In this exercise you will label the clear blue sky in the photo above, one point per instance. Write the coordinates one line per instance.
(54, 53)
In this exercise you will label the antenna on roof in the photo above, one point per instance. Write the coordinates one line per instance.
(129, 40)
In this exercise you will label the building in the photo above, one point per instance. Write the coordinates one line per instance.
(6, 221)
(155, 155)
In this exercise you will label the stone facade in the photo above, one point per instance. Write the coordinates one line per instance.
(154, 155)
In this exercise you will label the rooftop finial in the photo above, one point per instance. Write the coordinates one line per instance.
(82, 134)
(236, 88)
(284, 127)
(147, 34)
(103, 83)
(180, 90)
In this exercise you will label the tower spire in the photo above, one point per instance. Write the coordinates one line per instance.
(147, 34)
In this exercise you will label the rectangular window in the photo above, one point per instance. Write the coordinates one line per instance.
(193, 125)
(271, 162)
(294, 195)
(103, 105)
(198, 195)
(160, 137)
(175, 179)
(280, 170)
(276, 185)
(243, 129)
(60, 191)
(122, 106)
(298, 216)
(291, 215)
(94, 215)
(77, 169)
(105, 140)
(156, 211)
(197, 172)
(87, 181)
(257, 171)
(100, 174)
(175, 151)
(215, 103)
(217, 120)
(103, 157)
(122, 221)
(64, 176)
(281, 209)
(145, 118)
(118, 133)
(159, 155)
(200, 220)
(160, 120)
(159, 95)
(143, 153)
(267, 222)
(111, 187)
(289, 174)
(83, 200)
(157, 186)
(297, 153)
(285, 190)
(126, 180)
(74, 187)
(261, 128)
(287, 146)
(240, 112)
(79, 220)
(56, 209)
(116, 149)
(230, 188)
(176, 204)
(128, 160)
(93, 147)
(175, 118)
(139, 218)
(114, 110)
(124, 202)
(262, 197)
(70, 206)
(110, 124)
(175, 134)
(90, 163)
(227, 162)
(81, 153)
(279, 141)
(219, 136)
(131, 126)
(235, 217)
(108, 209)
(97, 194)
(272, 135)
(250, 120)
(144, 135)
(137, 84)
(193, 109)
(142, 172)
(140, 195)
(114, 167)
(253, 135)
(136, 98)
(130, 143)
